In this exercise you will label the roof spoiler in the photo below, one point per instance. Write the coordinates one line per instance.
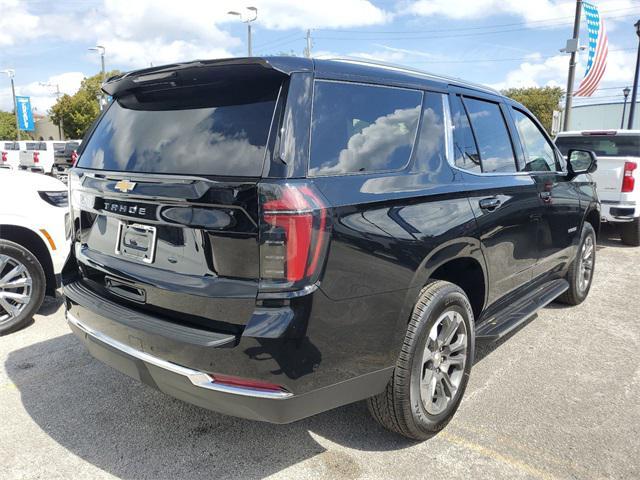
(170, 74)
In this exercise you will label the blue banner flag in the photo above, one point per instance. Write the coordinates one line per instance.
(25, 116)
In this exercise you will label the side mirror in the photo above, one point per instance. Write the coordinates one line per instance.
(580, 162)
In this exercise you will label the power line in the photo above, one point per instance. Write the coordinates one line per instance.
(453, 35)
(491, 60)
(468, 28)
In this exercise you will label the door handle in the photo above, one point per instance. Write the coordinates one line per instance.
(490, 204)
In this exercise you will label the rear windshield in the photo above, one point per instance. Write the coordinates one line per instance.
(36, 146)
(71, 146)
(603, 146)
(219, 129)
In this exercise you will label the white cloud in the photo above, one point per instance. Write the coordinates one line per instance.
(530, 11)
(553, 71)
(15, 21)
(137, 33)
(43, 96)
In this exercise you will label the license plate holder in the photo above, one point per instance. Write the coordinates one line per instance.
(136, 241)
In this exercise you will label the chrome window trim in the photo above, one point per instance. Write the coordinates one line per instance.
(196, 377)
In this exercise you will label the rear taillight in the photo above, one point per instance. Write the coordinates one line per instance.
(36, 157)
(293, 235)
(4, 156)
(74, 158)
(628, 182)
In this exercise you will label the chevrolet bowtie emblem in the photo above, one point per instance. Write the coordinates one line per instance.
(125, 186)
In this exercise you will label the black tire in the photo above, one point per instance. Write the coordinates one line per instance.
(23, 256)
(630, 233)
(576, 293)
(400, 407)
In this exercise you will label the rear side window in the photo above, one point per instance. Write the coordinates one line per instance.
(466, 154)
(539, 153)
(359, 128)
(494, 142)
(215, 129)
(431, 146)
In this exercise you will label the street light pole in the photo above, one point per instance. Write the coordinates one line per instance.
(12, 73)
(100, 49)
(634, 95)
(58, 93)
(572, 48)
(625, 92)
(248, 22)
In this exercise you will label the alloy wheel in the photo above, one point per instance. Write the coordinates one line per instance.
(16, 287)
(587, 258)
(443, 362)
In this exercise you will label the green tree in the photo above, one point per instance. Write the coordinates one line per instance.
(542, 101)
(77, 112)
(7, 126)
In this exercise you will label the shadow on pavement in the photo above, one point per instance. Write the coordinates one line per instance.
(133, 431)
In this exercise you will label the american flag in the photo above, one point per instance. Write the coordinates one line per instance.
(598, 50)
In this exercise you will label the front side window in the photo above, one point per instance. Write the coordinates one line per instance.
(494, 143)
(539, 154)
(359, 128)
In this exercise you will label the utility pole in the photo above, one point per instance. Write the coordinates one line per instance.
(307, 50)
(572, 48)
(12, 73)
(248, 22)
(58, 93)
(634, 95)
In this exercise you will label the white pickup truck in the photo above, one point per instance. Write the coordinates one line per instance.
(617, 177)
(38, 156)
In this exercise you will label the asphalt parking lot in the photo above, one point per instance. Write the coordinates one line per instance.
(559, 398)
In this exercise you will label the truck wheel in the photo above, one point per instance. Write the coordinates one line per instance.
(433, 369)
(22, 286)
(580, 274)
(630, 233)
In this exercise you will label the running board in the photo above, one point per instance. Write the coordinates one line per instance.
(507, 319)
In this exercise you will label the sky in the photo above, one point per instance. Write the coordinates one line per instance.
(501, 43)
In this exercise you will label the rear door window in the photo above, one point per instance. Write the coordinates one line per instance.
(11, 146)
(359, 128)
(219, 129)
(466, 154)
(492, 135)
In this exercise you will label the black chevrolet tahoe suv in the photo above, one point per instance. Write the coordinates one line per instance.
(275, 237)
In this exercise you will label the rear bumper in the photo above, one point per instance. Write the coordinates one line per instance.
(173, 360)
(619, 212)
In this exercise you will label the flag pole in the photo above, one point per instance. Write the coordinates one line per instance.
(572, 66)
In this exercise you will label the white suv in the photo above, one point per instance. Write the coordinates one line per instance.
(617, 177)
(34, 243)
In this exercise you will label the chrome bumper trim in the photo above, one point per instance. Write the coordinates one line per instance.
(196, 377)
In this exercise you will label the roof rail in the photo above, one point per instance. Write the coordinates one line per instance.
(410, 70)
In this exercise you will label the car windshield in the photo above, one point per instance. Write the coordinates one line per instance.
(203, 130)
(603, 146)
